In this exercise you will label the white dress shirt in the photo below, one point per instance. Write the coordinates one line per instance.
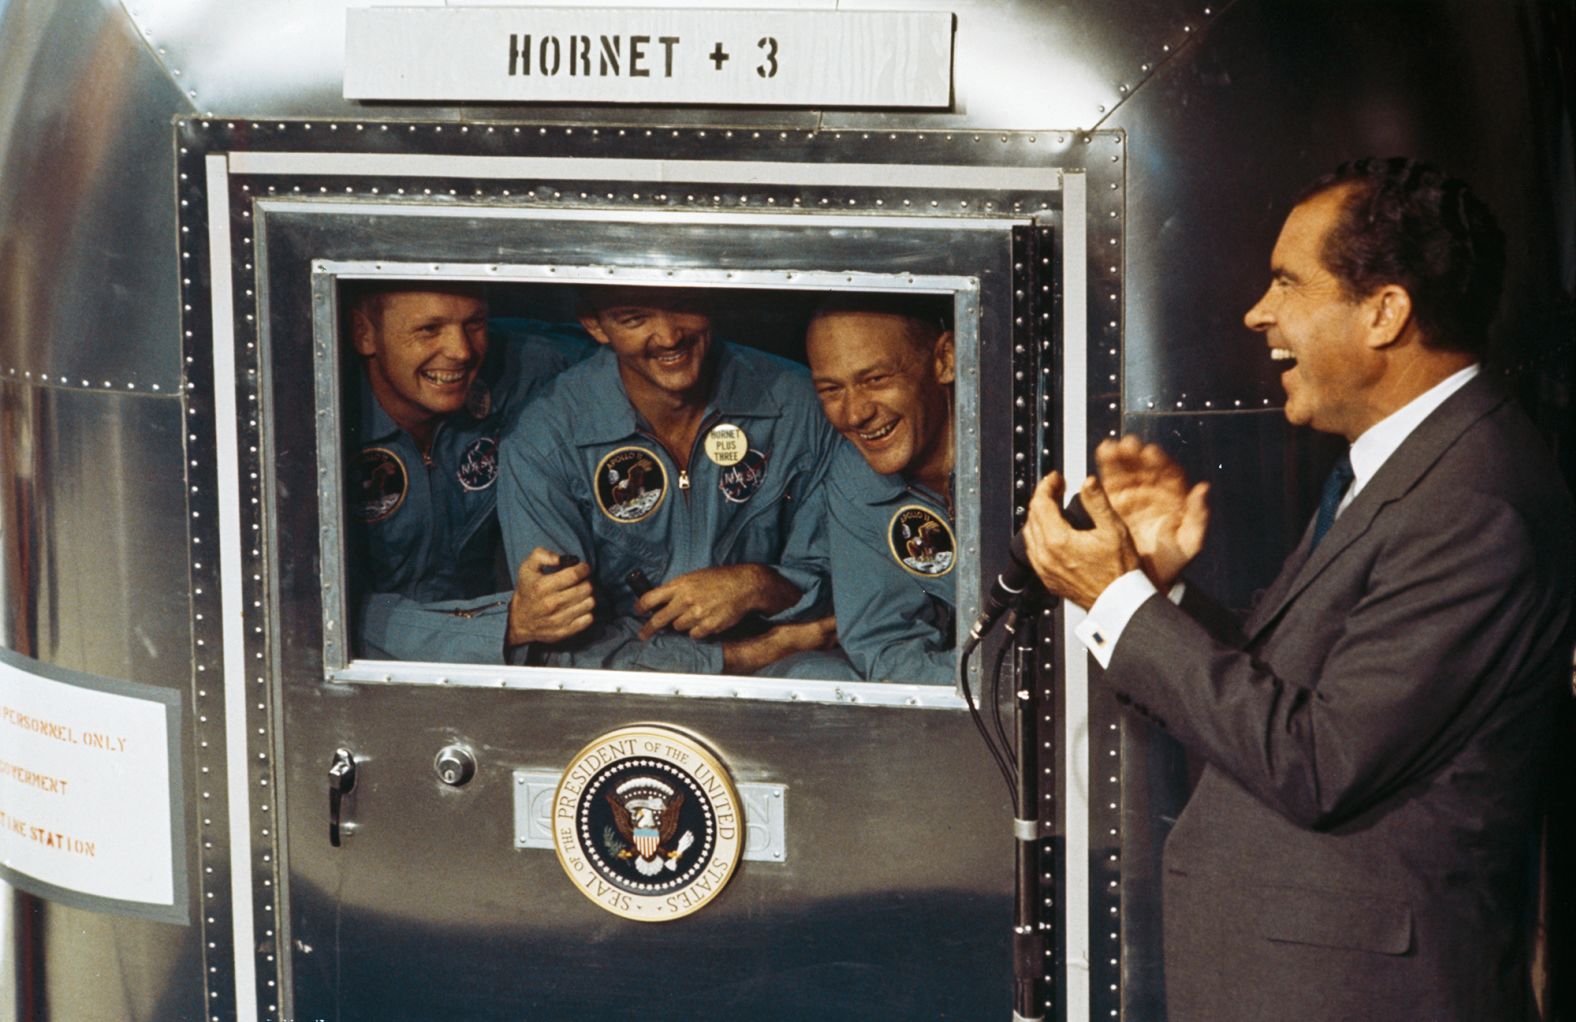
(1108, 618)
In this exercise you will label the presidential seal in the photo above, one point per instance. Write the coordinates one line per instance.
(647, 824)
(378, 485)
(630, 484)
(922, 542)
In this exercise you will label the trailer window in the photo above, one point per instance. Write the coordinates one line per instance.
(698, 479)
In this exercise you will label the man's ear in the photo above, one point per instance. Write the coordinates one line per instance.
(943, 356)
(1388, 311)
(593, 326)
(363, 333)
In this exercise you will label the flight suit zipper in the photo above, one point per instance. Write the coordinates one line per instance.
(698, 538)
(426, 452)
(693, 527)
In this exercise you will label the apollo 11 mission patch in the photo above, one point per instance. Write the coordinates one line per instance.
(921, 541)
(378, 484)
(630, 484)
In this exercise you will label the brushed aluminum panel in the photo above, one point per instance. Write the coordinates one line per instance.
(1070, 64)
(88, 281)
(93, 531)
(1211, 181)
(913, 914)
(93, 577)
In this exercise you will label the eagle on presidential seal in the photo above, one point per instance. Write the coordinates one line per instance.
(646, 813)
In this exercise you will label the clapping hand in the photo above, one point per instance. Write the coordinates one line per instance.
(1149, 491)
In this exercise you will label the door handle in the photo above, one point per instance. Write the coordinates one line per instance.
(341, 782)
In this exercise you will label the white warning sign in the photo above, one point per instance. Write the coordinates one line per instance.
(85, 793)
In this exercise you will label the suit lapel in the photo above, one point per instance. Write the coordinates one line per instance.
(1410, 462)
(1274, 598)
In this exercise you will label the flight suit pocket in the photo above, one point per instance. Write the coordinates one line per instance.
(1333, 919)
(756, 534)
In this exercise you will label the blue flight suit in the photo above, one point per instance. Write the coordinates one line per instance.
(894, 573)
(583, 475)
(425, 542)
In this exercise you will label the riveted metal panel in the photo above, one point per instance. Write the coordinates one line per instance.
(87, 281)
(93, 543)
(851, 918)
(1217, 170)
(293, 206)
(1070, 64)
(93, 578)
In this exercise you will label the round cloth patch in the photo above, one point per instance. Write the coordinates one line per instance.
(479, 464)
(378, 485)
(922, 541)
(740, 480)
(630, 484)
(647, 823)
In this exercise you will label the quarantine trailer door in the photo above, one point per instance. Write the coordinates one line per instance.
(432, 840)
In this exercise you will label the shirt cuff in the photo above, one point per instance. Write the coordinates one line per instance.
(1103, 625)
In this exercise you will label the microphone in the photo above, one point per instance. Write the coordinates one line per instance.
(1013, 582)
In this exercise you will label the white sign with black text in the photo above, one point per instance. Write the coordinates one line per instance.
(809, 58)
(85, 797)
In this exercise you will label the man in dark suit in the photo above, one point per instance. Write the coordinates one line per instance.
(1361, 843)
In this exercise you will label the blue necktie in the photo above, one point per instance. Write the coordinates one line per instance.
(1330, 499)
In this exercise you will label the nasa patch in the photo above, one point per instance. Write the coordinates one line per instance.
(479, 464)
(378, 485)
(630, 484)
(647, 823)
(739, 481)
(922, 542)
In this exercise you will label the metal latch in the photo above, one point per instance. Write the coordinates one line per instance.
(341, 782)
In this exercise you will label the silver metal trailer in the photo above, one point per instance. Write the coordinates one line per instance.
(184, 191)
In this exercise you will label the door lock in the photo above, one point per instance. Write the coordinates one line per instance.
(341, 782)
(455, 765)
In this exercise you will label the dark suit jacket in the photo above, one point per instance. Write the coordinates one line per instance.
(1361, 842)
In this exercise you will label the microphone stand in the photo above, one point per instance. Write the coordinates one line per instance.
(1018, 595)
(1028, 931)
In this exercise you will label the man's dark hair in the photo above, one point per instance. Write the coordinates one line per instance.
(928, 315)
(1407, 223)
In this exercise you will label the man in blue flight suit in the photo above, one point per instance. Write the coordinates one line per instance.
(883, 369)
(438, 385)
(663, 499)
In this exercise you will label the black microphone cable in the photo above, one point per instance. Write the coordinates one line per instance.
(1007, 596)
(1007, 744)
(1008, 772)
